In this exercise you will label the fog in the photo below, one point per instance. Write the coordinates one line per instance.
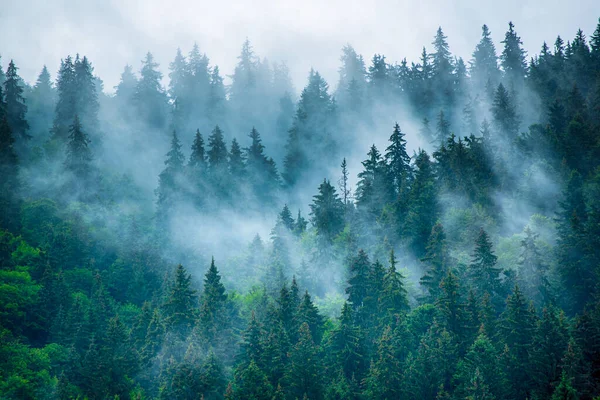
(113, 33)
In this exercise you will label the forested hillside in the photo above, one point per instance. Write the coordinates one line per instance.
(415, 230)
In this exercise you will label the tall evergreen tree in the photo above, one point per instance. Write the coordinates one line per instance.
(14, 103)
(398, 161)
(327, 212)
(79, 155)
(150, 98)
(180, 306)
(513, 56)
(483, 272)
(10, 183)
(484, 65)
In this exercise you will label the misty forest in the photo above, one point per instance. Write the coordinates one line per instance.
(425, 229)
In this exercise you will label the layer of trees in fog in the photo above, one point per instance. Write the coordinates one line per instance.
(424, 229)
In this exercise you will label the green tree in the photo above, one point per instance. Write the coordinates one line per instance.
(327, 212)
(180, 306)
(14, 103)
(304, 374)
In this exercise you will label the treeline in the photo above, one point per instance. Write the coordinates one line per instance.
(469, 271)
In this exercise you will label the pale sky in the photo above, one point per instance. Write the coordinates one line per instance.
(305, 34)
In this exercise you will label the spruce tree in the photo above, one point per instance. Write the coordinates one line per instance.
(10, 183)
(436, 262)
(66, 105)
(150, 98)
(327, 212)
(14, 104)
(393, 299)
(513, 56)
(41, 105)
(398, 162)
(483, 272)
(358, 281)
(484, 65)
(198, 154)
(304, 376)
(385, 375)
(86, 99)
(170, 182)
(180, 306)
(214, 311)
(506, 120)
(79, 155)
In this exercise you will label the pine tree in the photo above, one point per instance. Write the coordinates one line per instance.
(214, 311)
(422, 205)
(442, 67)
(480, 367)
(170, 181)
(251, 383)
(484, 65)
(41, 105)
(358, 281)
(483, 273)
(451, 308)
(308, 313)
(513, 56)
(304, 374)
(217, 98)
(550, 340)
(327, 212)
(10, 183)
(217, 152)
(262, 172)
(565, 390)
(198, 154)
(86, 99)
(125, 90)
(398, 161)
(385, 375)
(150, 98)
(14, 104)
(179, 90)
(66, 105)
(532, 274)
(180, 306)
(198, 83)
(343, 183)
(285, 217)
(442, 127)
(251, 347)
(506, 120)
(393, 300)
(373, 190)
(436, 261)
(379, 78)
(237, 166)
(79, 155)
(516, 327)
(346, 346)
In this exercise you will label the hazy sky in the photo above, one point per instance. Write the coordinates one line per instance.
(305, 34)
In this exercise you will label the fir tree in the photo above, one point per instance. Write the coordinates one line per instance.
(513, 56)
(484, 65)
(398, 161)
(79, 155)
(14, 103)
(436, 261)
(180, 306)
(150, 98)
(327, 212)
(10, 183)
(484, 274)
(304, 375)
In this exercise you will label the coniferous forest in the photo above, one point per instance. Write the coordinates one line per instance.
(196, 235)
